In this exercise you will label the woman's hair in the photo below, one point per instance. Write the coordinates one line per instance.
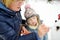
(7, 2)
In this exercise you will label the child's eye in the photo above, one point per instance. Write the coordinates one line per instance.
(33, 18)
(30, 19)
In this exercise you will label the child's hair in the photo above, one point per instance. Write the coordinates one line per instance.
(38, 19)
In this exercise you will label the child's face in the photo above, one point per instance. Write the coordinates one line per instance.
(33, 21)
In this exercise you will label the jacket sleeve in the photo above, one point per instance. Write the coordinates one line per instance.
(31, 36)
(6, 32)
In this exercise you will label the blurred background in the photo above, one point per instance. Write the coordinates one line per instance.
(48, 11)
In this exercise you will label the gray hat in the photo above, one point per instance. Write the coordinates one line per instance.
(29, 12)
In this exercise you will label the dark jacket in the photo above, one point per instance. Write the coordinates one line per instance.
(10, 25)
(9, 22)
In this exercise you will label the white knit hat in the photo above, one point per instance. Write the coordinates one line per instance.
(29, 12)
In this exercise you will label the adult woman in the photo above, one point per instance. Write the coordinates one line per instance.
(10, 20)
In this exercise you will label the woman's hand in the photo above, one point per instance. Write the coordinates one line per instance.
(42, 30)
(25, 31)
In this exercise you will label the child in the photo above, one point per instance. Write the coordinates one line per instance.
(33, 22)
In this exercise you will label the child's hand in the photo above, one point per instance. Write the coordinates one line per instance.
(42, 30)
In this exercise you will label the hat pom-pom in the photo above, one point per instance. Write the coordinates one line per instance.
(27, 6)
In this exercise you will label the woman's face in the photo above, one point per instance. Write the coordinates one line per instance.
(33, 21)
(16, 5)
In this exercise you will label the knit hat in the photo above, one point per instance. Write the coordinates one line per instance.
(29, 12)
